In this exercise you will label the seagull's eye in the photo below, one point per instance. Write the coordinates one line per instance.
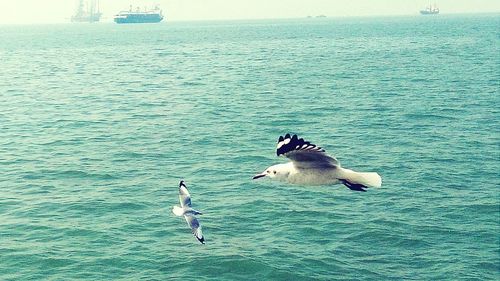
(274, 172)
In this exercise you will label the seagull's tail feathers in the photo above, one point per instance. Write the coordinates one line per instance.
(178, 211)
(358, 181)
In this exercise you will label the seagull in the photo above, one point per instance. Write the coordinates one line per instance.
(188, 212)
(310, 165)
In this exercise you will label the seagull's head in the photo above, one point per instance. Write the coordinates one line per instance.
(279, 172)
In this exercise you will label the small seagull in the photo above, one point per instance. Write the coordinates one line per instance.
(188, 212)
(310, 165)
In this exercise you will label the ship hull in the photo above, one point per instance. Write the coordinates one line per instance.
(139, 19)
(92, 18)
(428, 13)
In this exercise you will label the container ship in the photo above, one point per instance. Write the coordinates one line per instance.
(152, 16)
(87, 12)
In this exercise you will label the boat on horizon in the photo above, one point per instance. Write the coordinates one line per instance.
(87, 11)
(430, 10)
(137, 16)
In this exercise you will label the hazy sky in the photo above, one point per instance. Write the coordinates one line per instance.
(57, 11)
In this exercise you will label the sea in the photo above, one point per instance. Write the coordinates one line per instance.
(100, 122)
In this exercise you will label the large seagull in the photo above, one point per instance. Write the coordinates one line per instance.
(310, 165)
(188, 212)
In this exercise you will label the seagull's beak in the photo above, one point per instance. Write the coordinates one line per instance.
(259, 176)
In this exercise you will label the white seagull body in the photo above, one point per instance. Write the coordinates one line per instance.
(310, 165)
(188, 212)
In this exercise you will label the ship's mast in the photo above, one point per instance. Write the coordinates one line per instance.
(79, 12)
(91, 9)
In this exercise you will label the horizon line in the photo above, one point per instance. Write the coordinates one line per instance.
(311, 17)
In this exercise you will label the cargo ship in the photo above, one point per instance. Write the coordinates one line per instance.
(87, 12)
(430, 10)
(147, 16)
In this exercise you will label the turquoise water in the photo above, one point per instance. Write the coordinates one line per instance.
(98, 123)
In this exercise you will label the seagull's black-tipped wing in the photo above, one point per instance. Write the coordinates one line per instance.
(195, 226)
(184, 196)
(303, 153)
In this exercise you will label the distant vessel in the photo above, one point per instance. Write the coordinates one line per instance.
(152, 16)
(430, 10)
(90, 14)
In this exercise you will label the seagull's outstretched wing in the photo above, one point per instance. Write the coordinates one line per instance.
(195, 226)
(304, 154)
(184, 196)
